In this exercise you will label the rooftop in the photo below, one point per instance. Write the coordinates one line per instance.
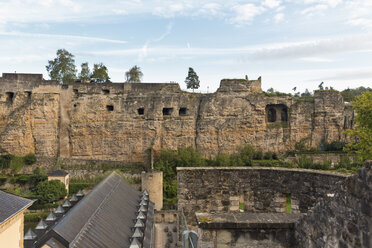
(10, 205)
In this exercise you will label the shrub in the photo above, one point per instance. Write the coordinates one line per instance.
(258, 155)
(268, 155)
(3, 180)
(75, 187)
(344, 163)
(16, 164)
(305, 162)
(36, 179)
(22, 179)
(29, 159)
(50, 191)
(5, 161)
(335, 145)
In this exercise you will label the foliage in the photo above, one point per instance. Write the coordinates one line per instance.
(75, 187)
(350, 94)
(84, 75)
(134, 75)
(3, 180)
(62, 68)
(335, 145)
(34, 180)
(361, 134)
(100, 72)
(272, 92)
(50, 191)
(5, 160)
(16, 164)
(29, 159)
(35, 217)
(192, 80)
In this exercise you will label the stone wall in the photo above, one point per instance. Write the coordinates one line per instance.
(119, 122)
(343, 220)
(259, 190)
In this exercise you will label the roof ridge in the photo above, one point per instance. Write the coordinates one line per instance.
(85, 228)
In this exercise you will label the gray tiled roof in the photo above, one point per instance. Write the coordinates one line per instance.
(103, 218)
(10, 205)
(58, 173)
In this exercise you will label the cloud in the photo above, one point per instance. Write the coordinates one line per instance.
(244, 14)
(279, 17)
(317, 9)
(271, 3)
(64, 37)
(330, 3)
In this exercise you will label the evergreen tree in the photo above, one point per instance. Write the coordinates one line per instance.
(100, 72)
(134, 75)
(84, 75)
(192, 80)
(62, 68)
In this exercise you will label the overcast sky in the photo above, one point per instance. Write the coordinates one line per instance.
(287, 42)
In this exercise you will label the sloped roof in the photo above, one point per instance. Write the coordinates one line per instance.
(10, 205)
(103, 218)
(58, 173)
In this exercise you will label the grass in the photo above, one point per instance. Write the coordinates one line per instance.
(241, 206)
(288, 204)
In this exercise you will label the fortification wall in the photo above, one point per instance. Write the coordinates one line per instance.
(119, 122)
(259, 190)
(344, 220)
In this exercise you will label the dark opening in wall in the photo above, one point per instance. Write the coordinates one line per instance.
(182, 111)
(284, 114)
(64, 86)
(110, 107)
(28, 93)
(167, 111)
(276, 113)
(106, 91)
(9, 97)
(76, 91)
(75, 105)
(271, 115)
(141, 111)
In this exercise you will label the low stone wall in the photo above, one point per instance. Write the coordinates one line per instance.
(262, 190)
(320, 157)
(344, 220)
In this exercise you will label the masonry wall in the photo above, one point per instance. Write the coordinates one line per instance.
(119, 122)
(258, 189)
(344, 220)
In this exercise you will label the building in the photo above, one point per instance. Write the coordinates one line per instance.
(113, 214)
(60, 176)
(11, 219)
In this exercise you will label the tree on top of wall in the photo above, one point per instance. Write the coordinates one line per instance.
(192, 80)
(134, 75)
(62, 68)
(100, 72)
(84, 75)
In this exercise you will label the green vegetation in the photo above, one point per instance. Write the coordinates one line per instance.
(361, 135)
(288, 204)
(15, 162)
(50, 191)
(35, 217)
(123, 167)
(192, 80)
(62, 68)
(241, 206)
(272, 92)
(349, 95)
(134, 75)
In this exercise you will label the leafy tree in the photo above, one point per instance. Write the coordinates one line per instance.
(62, 68)
(134, 75)
(29, 159)
(192, 80)
(271, 90)
(85, 74)
(306, 93)
(100, 72)
(350, 94)
(50, 191)
(362, 133)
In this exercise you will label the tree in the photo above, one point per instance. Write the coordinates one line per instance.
(320, 86)
(192, 80)
(306, 93)
(85, 74)
(362, 132)
(134, 75)
(62, 68)
(100, 72)
(50, 191)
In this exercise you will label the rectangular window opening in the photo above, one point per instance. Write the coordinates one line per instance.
(141, 111)
(28, 93)
(9, 97)
(110, 107)
(106, 91)
(182, 111)
(76, 91)
(167, 111)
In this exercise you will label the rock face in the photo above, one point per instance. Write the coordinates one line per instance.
(119, 122)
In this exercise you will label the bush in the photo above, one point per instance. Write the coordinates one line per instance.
(22, 179)
(16, 164)
(50, 191)
(305, 162)
(258, 155)
(335, 145)
(29, 159)
(36, 179)
(5, 161)
(75, 187)
(268, 155)
(3, 180)
(344, 163)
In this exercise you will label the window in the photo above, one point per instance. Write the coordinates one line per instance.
(9, 97)
(271, 115)
(110, 107)
(106, 91)
(141, 111)
(76, 91)
(167, 111)
(182, 111)
(28, 93)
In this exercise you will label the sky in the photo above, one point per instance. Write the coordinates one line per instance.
(290, 43)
